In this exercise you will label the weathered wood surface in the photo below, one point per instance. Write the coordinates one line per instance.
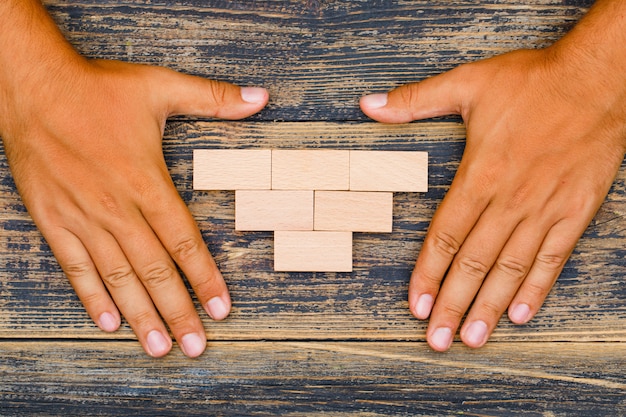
(312, 378)
(335, 343)
(588, 302)
(317, 57)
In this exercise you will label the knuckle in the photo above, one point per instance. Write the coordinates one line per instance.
(512, 267)
(208, 285)
(92, 298)
(453, 310)
(535, 291)
(111, 205)
(158, 274)
(428, 278)
(77, 269)
(472, 267)
(181, 319)
(118, 277)
(409, 94)
(144, 319)
(551, 262)
(445, 243)
(187, 249)
(218, 92)
(490, 309)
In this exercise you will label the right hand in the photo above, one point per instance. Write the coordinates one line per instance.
(85, 151)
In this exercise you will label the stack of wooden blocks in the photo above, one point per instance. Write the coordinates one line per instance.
(313, 200)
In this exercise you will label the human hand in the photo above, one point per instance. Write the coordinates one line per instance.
(85, 151)
(545, 137)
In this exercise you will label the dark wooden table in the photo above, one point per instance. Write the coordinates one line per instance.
(302, 344)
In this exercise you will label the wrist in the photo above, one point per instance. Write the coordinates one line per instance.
(590, 62)
(35, 58)
(596, 46)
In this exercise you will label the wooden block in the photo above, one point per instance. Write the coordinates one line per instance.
(269, 210)
(389, 171)
(314, 169)
(313, 251)
(232, 169)
(355, 211)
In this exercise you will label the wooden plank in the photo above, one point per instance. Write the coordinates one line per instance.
(310, 169)
(269, 210)
(232, 169)
(313, 251)
(588, 302)
(270, 378)
(354, 211)
(325, 55)
(389, 171)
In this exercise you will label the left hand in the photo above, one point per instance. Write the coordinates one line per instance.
(545, 138)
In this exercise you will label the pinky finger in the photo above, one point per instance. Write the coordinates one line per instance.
(84, 278)
(548, 265)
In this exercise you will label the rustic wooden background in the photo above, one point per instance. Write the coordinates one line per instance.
(302, 344)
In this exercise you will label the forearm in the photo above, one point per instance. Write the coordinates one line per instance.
(593, 57)
(32, 51)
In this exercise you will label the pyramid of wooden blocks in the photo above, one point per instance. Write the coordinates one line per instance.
(313, 200)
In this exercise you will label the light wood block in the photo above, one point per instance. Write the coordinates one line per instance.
(269, 210)
(318, 169)
(313, 251)
(396, 171)
(354, 211)
(232, 169)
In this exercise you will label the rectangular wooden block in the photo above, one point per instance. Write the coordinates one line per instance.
(269, 210)
(313, 251)
(232, 169)
(313, 169)
(396, 171)
(355, 211)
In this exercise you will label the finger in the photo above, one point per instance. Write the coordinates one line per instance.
(179, 234)
(165, 287)
(502, 282)
(548, 264)
(451, 223)
(436, 96)
(196, 96)
(466, 275)
(84, 277)
(127, 291)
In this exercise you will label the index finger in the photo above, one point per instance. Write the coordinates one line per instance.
(452, 222)
(175, 227)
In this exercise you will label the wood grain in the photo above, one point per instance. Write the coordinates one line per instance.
(230, 169)
(311, 379)
(312, 251)
(296, 169)
(270, 210)
(393, 171)
(587, 303)
(316, 57)
(354, 211)
(303, 344)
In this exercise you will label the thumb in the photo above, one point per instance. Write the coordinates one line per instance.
(196, 96)
(437, 96)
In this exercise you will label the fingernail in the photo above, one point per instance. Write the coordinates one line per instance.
(193, 345)
(441, 339)
(374, 101)
(217, 308)
(254, 95)
(476, 334)
(520, 313)
(108, 322)
(158, 345)
(424, 306)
